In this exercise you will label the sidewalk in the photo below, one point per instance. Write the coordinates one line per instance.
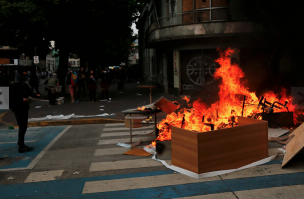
(131, 97)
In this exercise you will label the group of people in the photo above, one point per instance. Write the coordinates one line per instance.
(20, 92)
(87, 81)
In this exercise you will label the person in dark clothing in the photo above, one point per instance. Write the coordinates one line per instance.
(105, 84)
(34, 82)
(19, 104)
(121, 79)
(91, 85)
(4, 79)
(81, 82)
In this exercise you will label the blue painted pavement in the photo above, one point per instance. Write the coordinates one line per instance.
(35, 137)
(72, 188)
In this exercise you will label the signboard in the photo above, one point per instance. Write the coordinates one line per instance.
(176, 68)
(36, 59)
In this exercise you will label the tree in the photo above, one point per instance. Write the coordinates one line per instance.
(93, 29)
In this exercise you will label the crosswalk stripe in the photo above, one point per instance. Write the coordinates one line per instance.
(111, 151)
(126, 133)
(125, 140)
(115, 124)
(127, 129)
(225, 195)
(43, 176)
(141, 182)
(295, 191)
(263, 170)
(124, 164)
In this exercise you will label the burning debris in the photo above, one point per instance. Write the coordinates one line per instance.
(223, 113)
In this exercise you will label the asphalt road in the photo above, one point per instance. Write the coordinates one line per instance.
(84, 161)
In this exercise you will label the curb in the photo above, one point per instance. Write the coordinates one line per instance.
(65, 122)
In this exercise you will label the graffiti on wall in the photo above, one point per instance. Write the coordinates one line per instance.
(200, 71)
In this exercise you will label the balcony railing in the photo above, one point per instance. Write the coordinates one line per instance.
(204, 15)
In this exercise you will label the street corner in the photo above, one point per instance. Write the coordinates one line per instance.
(297, 95)
(41, 138)
(4, 98)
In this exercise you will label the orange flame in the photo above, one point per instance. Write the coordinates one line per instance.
(141, 108)
(221, 114)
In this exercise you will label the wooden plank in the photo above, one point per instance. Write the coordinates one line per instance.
(232, 148)
(220, 149)
(165, 105)
(295, 145)
(184, 149)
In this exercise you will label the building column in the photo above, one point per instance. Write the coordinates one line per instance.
(176, 72)
(165, 75)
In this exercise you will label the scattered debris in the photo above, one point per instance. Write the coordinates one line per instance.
(139, 94)
(76, 173)
(10, 178)
(103, 100)
(38, 106)
(124, 145)
(101, 106)
(101, 109)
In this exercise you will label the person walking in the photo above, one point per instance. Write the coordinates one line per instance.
(19, 92)
(105, 84)
(121, 79)
(81, 82)
(91, 85)
(34, 82)
(51, 84)
(71, 82)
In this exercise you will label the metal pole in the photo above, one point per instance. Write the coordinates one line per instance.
(156, 14)
(131, 133)
(194, 2)
(155, 123)
(243, 105)
(150, 95)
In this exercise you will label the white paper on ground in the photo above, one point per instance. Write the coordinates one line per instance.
(208, 174)
(62, 117)
(101, 106)
(276, 132)
(101, 109)
(110, 99)
(124, 145)
(38, 106)
(138, 94)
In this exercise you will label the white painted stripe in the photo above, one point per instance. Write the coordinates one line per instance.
(44, 176)
(295, 191)
(125, 140)
(143, 132)
(41, 154)
(264, 170)
(226, 195)
(115, 124)
(110, 151)
(127, 129)
(141, 183)
(124, 164)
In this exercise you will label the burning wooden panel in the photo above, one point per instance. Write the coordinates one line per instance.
(220, 149)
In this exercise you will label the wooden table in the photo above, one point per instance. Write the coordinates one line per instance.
(148, 86)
